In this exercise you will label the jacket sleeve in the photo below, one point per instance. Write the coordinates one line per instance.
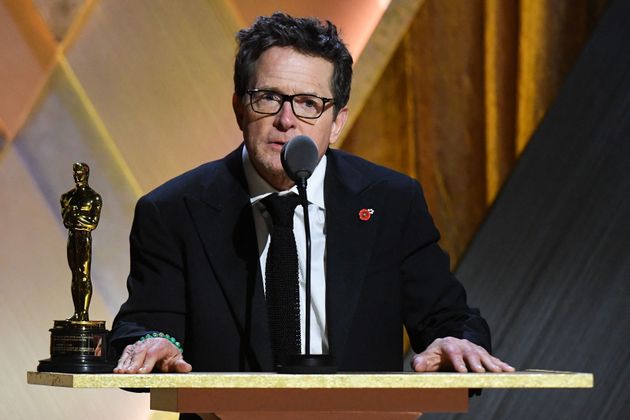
(434, 301)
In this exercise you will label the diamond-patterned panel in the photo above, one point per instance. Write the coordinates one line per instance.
(61, 15)
(27, 52)
(158, 74)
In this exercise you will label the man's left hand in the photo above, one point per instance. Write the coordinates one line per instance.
(456, 354)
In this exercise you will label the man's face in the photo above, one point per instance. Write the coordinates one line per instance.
(288, 72)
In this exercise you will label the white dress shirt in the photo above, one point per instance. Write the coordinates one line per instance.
(259, 189)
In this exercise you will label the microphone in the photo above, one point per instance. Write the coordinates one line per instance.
(299, 158)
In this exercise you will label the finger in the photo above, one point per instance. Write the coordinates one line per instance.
(493, 364)
(420, 364)
(159, 352)
(490, 363)
(136, 360)
(181, 366)
(457, 361)
(124, 363)
(118, 368)
(123, 358)
(148, 362)
(504, 366)
(174, 364)
(427, 361)
(473, 360)
(453, 354)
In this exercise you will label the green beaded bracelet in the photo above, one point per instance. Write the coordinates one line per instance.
(162, 335)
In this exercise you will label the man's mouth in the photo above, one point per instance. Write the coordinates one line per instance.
(278, 143)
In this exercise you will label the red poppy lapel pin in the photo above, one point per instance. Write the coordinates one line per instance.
(365, 214)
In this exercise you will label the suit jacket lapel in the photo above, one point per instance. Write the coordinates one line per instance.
(223, 218)
(348, 245)
(222, 215)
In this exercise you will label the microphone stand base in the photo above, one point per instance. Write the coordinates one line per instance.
(308, 364)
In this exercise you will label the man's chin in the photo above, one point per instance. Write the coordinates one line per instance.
(273, 174)
(279, 179)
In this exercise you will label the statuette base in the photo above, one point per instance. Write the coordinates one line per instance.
(77, 347)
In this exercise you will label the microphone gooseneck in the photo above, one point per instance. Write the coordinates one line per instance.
(299, 159)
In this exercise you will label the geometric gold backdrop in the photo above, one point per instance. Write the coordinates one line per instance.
(141, 90)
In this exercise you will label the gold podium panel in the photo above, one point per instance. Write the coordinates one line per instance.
(338, 396)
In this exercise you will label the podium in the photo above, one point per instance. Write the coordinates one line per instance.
(340, 396)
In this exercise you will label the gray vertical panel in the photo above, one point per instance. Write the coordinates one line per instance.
(550, 268)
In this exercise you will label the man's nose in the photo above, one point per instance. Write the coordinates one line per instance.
(285, 118)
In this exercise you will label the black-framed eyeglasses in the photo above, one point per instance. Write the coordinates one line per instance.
(303, 105)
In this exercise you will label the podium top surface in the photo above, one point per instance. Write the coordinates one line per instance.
(522, 379)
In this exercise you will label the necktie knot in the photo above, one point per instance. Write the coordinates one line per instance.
(281, 208)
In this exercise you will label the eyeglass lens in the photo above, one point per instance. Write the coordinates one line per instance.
(267, 102)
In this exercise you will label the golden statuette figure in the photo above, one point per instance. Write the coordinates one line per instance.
(78, 345)
(80, 210)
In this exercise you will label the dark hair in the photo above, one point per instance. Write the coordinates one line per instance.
(308, 36)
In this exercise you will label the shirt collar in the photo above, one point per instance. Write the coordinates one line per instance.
(259, 188)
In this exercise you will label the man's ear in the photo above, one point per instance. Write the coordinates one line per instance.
(338, 124)
(237, 106)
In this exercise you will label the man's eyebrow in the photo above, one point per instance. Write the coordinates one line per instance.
(279, 91)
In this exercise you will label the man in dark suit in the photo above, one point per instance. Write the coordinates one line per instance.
(199, 242)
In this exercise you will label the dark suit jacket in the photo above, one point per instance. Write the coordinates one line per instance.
(195, 270)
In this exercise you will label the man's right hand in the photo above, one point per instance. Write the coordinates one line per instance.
(143, 356)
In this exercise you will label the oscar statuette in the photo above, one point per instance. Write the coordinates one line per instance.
(78, 345)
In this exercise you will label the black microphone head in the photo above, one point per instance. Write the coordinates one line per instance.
(299, 157)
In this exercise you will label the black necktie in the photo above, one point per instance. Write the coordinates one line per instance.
(281, 277)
